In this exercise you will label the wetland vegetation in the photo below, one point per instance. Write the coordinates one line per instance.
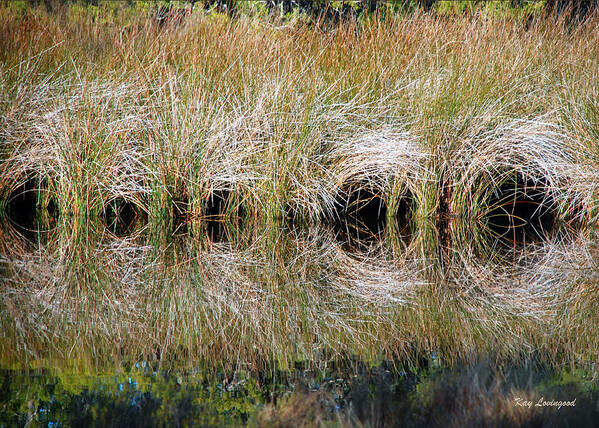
(277, 218)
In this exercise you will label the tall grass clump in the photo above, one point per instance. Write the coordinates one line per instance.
(274, 116)
(520, 178)
(468, 127)
(380, 173)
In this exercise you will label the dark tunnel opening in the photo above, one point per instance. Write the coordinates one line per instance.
(217, 203)
(220, 215)
(220, 205)
(121, 216)
(217, 231)
(360, 217)
(22, 204)
(403, 214)
(364, 208)
(520, 210)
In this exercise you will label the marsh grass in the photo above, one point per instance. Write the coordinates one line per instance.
(284, 117)
(240, 144)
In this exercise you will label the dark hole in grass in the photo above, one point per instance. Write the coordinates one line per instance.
(292, 216)
(53, 208)
(363, 224)
(121, 216)
(219, 205)
(403, 214)
(220, 214)
(363, 206)
(27, 214)
(22, 204)
(520, 210)
(217, 231)
(360, 217)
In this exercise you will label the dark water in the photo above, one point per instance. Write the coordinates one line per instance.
(351, 393)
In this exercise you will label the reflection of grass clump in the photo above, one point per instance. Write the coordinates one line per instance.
(262, 297)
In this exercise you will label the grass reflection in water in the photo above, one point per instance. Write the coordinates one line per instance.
(267, 305)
